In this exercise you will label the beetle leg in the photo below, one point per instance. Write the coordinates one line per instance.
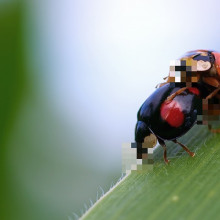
(192, 154)
(213, 93)
(162, 143)
(211, 81)
(171, 97)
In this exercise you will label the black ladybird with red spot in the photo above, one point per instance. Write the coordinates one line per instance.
(168, 119)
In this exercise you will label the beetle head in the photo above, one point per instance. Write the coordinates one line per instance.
(194, 64)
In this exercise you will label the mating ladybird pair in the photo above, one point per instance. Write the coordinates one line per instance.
(190, 95)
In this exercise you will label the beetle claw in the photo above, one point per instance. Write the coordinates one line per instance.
(167, 161)
(192, 154)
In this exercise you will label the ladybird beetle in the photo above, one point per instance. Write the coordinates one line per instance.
(169, 119)
(198, 66)
(201, 67)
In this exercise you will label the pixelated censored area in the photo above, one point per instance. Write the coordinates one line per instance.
(183, 71)
(136, 156)
(211, 113)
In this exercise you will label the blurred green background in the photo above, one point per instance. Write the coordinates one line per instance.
(42, 176)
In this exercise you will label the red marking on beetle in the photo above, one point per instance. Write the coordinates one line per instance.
(171, 112)
(217, 62)
(194, 90)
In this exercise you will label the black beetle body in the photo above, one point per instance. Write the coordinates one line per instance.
(168, 120)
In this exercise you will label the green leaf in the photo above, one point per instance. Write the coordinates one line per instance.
(12, 89)
(187, 188)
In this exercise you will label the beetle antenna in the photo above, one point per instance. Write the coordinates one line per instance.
(192, 154)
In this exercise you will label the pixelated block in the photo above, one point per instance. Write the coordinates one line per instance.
(210, 113)
(183, 70)
(138, 156)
